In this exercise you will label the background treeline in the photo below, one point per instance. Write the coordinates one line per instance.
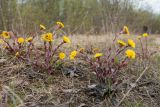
(79, 16)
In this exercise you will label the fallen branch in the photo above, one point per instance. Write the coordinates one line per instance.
(132, 86)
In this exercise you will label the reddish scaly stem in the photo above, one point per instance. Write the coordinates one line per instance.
(118, 52)
(54, 51)
(142, 48)
(116, 35)
(9, 45)
(29, 49)
(48, 57)
(146, 46)
(45, 50)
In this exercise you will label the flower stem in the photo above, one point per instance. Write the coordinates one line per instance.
(142, 48)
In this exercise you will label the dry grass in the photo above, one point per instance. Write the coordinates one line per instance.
(26, 87)
(95, 40)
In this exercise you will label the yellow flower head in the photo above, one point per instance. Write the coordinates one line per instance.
(48, 37)
(1, 41)
(81, 50)
(20, 40)
(66, 39)
(5, 47)
(130, 54)
(29, 39)
(17, 54)
(62, 55)
(95, 50)
(126, 30)
(5, 35)
(139, 37)
(60, 24)
(121, 43)
(73, 54)
(98, 55)
(131, 43)
(42, 27)
(145, 35)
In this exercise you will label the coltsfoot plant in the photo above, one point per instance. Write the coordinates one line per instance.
(108, 64)
(24, 49)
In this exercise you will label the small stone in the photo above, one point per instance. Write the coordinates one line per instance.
(3, 60)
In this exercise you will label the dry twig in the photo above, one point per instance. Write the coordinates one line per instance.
(132, 86)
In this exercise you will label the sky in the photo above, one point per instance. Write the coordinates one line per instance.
(151, 4)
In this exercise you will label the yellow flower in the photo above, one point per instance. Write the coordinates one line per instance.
(126, 30)
(29, 39)
(95, 50)
(145, 35)
(130, 54)
(1, 41)
(139, 37)
(5, 35)
(98, 55)
(73, 54)
(20, 40)
(121, 43)
(48, 37)
(62, 55)
(81, 50)
(60, 24)
(66, 39)
(17, 54)
(42, 27)
(131, 43)
(5, 47)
